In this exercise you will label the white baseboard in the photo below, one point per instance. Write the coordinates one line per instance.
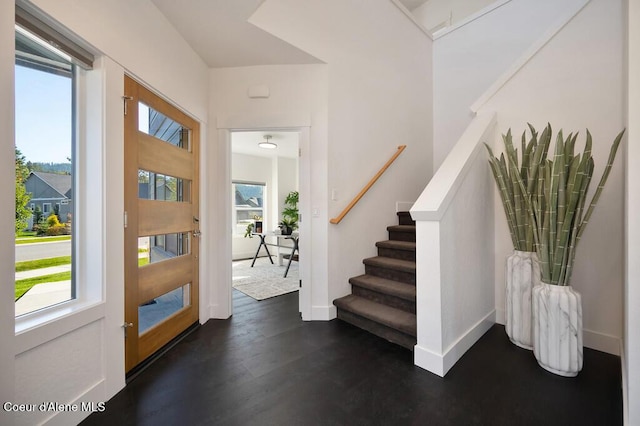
(441, 364)
(464, 342)
(217, 312)
(601, 342)
(94, 394)
(323, 313)
(430, 361)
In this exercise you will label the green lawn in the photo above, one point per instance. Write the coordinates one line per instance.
(42, 263)
(23, 234)
(22, 286)
(31, 240)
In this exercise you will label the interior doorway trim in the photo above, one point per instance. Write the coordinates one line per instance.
(274, 122)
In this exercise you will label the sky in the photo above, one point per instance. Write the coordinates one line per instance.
(43, 115)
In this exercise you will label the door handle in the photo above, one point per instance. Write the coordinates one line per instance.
(125, 326)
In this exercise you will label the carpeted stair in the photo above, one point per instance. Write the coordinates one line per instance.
(383, 300)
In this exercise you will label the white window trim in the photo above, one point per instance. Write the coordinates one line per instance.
(35, 328)
(234, 208)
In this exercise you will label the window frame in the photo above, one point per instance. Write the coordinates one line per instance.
(48, 208)
(234, 209)
(87, 297)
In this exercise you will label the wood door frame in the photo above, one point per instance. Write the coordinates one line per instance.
(155, 338)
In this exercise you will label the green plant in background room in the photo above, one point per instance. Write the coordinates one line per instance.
(290, 213)
(522, 268)
(558, 207)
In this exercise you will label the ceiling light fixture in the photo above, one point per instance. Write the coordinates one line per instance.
(266, 144)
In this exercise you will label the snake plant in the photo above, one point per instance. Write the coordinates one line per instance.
(556, 203)
(508, 176)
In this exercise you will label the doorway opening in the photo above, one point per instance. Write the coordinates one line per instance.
(265, 217)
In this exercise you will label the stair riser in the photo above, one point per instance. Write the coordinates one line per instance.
(391, 274)
(402, 236)
(405, 219)
(394, 302)
(380, 330)
(397, 254)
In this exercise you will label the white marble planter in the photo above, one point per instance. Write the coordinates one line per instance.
(557, 329)
(523, 273)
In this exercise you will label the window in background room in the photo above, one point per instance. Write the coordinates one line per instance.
(248, 205)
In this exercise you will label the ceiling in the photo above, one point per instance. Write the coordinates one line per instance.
(247, 143)
(219, 33)
(412, 4)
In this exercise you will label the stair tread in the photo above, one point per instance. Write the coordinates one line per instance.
(391, 263)
(401, 228)
(385, 286)
(397, 244)
(397, 319)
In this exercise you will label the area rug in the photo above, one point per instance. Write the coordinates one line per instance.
(264, 280)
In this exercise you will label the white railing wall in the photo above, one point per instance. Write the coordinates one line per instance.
(455, 252)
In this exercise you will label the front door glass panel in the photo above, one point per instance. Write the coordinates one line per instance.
(156, 124)
(157, 186)
(154, 311)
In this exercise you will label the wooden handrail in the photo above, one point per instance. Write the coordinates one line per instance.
(373, 180)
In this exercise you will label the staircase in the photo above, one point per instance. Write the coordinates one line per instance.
(383, 300)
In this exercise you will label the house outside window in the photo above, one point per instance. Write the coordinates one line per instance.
(248, 204)
(45, 92)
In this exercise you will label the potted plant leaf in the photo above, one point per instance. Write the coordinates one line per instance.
(559, 210)
(522, 268)
(290, 214)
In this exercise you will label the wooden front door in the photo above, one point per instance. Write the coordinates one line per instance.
(161, 222)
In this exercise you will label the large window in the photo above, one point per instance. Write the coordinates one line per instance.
(248, 205)
(45, 81)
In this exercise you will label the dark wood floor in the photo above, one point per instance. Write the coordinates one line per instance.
(266, 367)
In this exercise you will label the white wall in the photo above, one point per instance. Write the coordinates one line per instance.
(80, 357)
(137, 35)
(455, 270)
(379, 83)
(631, 367)
(7, 251)
(576, 82)
(298, 98)
(468, 60)
(437, 14)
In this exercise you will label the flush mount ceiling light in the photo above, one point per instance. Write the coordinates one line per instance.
(266, 144)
